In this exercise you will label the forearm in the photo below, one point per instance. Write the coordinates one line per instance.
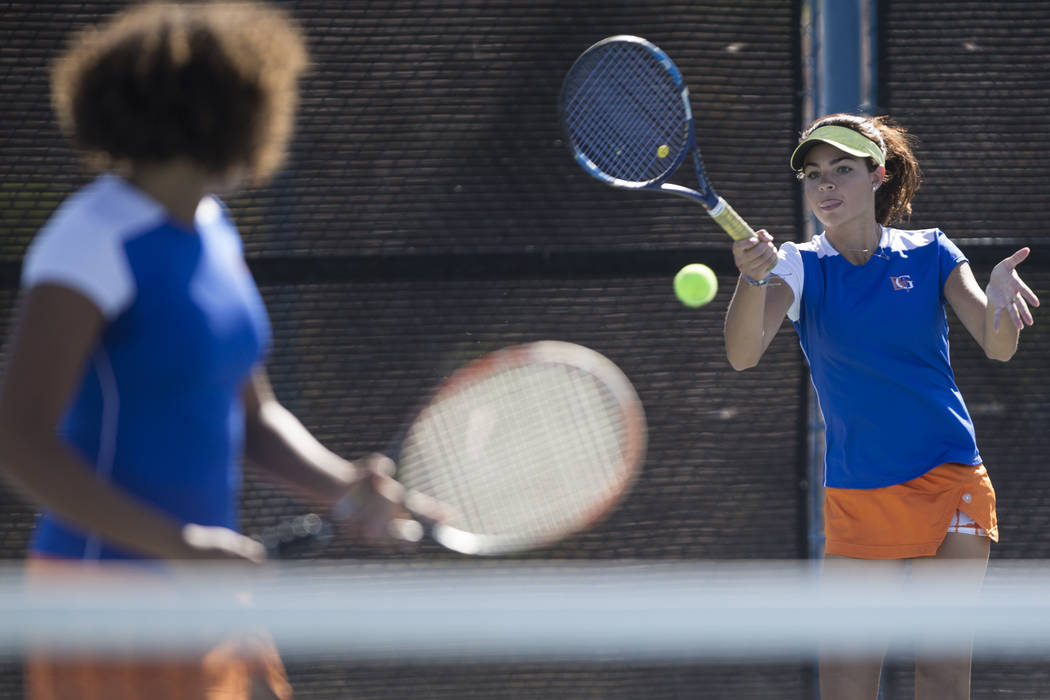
(53, 477)
(745, 325)
(278, 444)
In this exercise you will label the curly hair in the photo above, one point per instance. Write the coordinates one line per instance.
(213, 82)
(903, 176)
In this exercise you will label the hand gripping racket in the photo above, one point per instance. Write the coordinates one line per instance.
(527, 445)
(626, 113)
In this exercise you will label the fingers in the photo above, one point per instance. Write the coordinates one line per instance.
(755, 256)
(379, 506)
(1016, 307)
(1011, 283)
(378, 463)
(1007, 291)
(407, 531)
(1018, 257)
(382, 511)
(428, 510)
(1020, 312)
(213, 542)
(379, 509)
(1026, 292)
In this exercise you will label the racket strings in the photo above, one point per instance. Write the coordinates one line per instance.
(626, 112)
(533, 426)
(613, 125)
(608, 79)
(528, 452)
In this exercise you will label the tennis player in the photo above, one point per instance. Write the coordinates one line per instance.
(136, 382)
(904, 478)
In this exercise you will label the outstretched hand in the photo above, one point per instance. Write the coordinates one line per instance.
(1007, 291)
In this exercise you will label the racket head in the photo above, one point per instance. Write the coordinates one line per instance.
(626, 114)
(528, 445)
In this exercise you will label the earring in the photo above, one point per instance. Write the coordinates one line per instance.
(874, 187)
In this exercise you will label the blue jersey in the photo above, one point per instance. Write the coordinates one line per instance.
(158, 412)
(876, 339)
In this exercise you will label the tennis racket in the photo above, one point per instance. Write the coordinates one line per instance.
(526, 445)
(627, 117)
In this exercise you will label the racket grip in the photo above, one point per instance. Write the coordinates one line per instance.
(308, 534)
(303, 534)
(733, 224)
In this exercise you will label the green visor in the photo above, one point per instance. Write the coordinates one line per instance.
(842, 138)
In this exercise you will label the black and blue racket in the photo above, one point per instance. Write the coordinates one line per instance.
(627, 116)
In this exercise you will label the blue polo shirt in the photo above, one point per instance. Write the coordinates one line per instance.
(876, 339)
(158, 412)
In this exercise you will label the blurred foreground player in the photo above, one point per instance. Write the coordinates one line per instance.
(135, 383)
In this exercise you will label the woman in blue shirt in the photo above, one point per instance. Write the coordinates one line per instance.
(904, 478)
(136, 379)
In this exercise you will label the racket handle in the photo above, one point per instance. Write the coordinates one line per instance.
(733, 223)
(303, 534)
(310, 533)
(730, 221)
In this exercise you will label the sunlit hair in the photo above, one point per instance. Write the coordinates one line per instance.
(903, 176)
(213, 82)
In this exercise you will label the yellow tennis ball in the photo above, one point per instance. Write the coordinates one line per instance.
(695, 285)
(662, 151)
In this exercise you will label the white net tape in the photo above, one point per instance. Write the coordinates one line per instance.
(532, 611)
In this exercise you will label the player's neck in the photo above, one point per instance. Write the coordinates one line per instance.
(177, 185)
(856, 241)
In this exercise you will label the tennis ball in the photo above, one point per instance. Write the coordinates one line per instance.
(695, 285)
(662, 151)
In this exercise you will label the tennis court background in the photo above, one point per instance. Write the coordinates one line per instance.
(430, 211)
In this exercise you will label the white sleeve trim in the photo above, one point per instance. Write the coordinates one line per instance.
(82, 247)
(789, 268)
(101, 276)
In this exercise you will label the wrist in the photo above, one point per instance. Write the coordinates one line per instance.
(753, 282)
(353, 495)
(350, 496)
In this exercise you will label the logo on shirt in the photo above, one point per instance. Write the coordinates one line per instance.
(900, 282)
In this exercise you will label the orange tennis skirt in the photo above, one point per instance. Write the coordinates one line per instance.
(238, 669)
(910, 519)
